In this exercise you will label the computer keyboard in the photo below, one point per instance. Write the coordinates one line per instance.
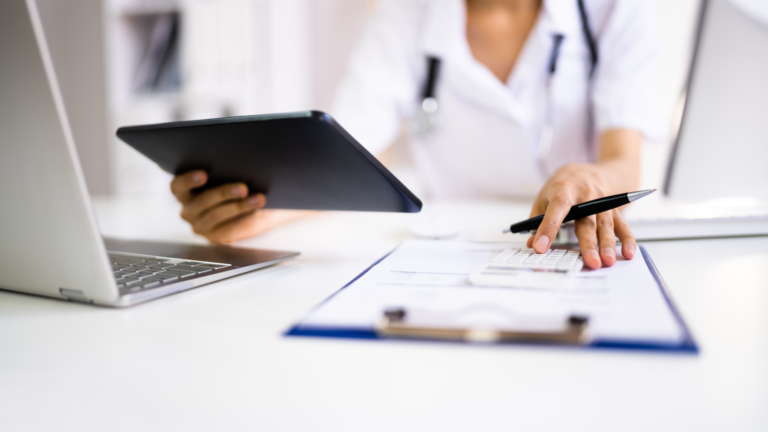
(523, 268)
(136, 272)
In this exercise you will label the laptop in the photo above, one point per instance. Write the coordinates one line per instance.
(50, 244)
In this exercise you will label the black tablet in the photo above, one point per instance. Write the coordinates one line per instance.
(302, 160)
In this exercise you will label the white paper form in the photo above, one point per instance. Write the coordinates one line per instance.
(623, 302)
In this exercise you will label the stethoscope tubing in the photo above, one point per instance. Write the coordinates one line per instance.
(425, 119)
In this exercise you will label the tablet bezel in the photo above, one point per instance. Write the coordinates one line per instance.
(170, 156)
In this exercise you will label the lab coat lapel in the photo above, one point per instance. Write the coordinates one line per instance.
(444, 36)
(561, 16)
(529, 77)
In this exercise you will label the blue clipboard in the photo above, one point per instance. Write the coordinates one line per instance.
(686, 345)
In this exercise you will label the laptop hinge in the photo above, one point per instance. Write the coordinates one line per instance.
(74, 295)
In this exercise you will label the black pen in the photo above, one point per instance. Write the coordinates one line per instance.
(583, 210)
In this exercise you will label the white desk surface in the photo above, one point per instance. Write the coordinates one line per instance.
(214, 358)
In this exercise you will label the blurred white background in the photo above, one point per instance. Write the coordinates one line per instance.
(124, 62)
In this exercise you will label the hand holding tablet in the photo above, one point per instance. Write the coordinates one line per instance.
(230, 170)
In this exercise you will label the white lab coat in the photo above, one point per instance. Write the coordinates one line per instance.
(487, 142)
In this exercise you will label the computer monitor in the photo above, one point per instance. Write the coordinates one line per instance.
(722, 146)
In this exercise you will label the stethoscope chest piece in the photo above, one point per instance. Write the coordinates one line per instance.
(426, 118)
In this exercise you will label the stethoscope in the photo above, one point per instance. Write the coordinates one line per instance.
(427, 118)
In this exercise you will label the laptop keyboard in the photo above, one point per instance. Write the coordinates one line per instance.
(136, 273)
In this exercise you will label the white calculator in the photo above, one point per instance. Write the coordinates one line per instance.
(524, 268)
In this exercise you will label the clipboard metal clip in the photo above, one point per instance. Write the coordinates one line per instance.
(393, 324)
